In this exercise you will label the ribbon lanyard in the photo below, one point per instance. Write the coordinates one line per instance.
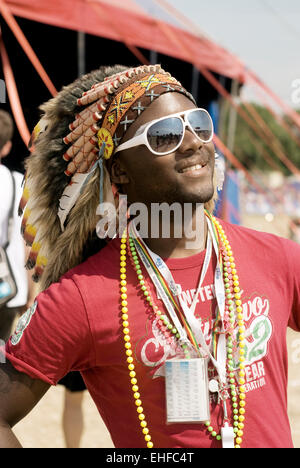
(190, 320)
(183, 338)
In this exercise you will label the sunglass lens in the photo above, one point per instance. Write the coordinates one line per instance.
(165, 135)
(201, 124)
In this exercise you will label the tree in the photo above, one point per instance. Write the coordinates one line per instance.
(256, 153)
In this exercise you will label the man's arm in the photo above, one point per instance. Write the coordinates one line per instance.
(19, 393)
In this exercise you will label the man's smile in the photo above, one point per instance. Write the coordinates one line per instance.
(194, 166)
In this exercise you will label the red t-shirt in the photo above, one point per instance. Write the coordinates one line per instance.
(77, 325)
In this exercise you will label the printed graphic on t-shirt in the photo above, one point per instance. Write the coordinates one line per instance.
(258, 333)
(23, 324)
(157, 345)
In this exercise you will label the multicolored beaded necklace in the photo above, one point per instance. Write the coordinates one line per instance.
(234, 315)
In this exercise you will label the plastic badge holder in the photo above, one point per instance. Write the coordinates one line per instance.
(187, 394)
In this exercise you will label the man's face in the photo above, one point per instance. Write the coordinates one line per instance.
(157, 179)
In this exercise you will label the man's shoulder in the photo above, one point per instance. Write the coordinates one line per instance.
(101, 263)
(253, 240)
(243, 231)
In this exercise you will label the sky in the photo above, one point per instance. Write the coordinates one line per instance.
(264, 34)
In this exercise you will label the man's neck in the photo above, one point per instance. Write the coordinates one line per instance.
(191, 242)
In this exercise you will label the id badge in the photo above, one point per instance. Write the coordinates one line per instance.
(187, 394)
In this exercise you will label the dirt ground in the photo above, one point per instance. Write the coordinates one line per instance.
(43, 429)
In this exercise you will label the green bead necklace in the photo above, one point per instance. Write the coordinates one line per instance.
(234, 309)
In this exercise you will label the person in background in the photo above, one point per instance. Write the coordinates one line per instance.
(72, 418)
(17, 250)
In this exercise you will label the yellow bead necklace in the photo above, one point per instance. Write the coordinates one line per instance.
(234, 307)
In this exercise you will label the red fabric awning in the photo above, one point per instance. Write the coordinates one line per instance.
(127, 21)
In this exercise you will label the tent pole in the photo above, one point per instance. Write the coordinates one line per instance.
(279, 119)
(224, 106)
(287, 109)
(253, 124)
(218, 86)
(249, 74)
(195, 82)
(81, 53)
(13, 25)
(111, 21)
(153, 57)
(13, 94)
(232, 117)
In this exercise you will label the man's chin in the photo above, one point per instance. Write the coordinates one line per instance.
(183, 195)
(203, 197)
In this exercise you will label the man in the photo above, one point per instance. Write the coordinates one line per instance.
(180, 340)
(10, 192)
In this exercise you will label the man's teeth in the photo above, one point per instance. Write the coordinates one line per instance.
(192, 168)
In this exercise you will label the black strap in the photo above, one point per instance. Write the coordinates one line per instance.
(11, 212)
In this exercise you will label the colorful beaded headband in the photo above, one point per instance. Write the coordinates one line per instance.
(134, 90)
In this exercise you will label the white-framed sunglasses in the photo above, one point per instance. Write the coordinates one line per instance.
(165, 135)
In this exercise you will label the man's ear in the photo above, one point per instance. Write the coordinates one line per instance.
(5, 149)
(118, 173)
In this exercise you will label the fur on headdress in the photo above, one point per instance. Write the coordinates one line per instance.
(54, 252)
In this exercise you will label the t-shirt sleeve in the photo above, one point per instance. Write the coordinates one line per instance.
(53, 337)
(293, 261)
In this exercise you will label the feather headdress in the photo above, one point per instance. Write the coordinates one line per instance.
(78, 132)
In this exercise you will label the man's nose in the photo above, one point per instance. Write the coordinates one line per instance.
(190, 142)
